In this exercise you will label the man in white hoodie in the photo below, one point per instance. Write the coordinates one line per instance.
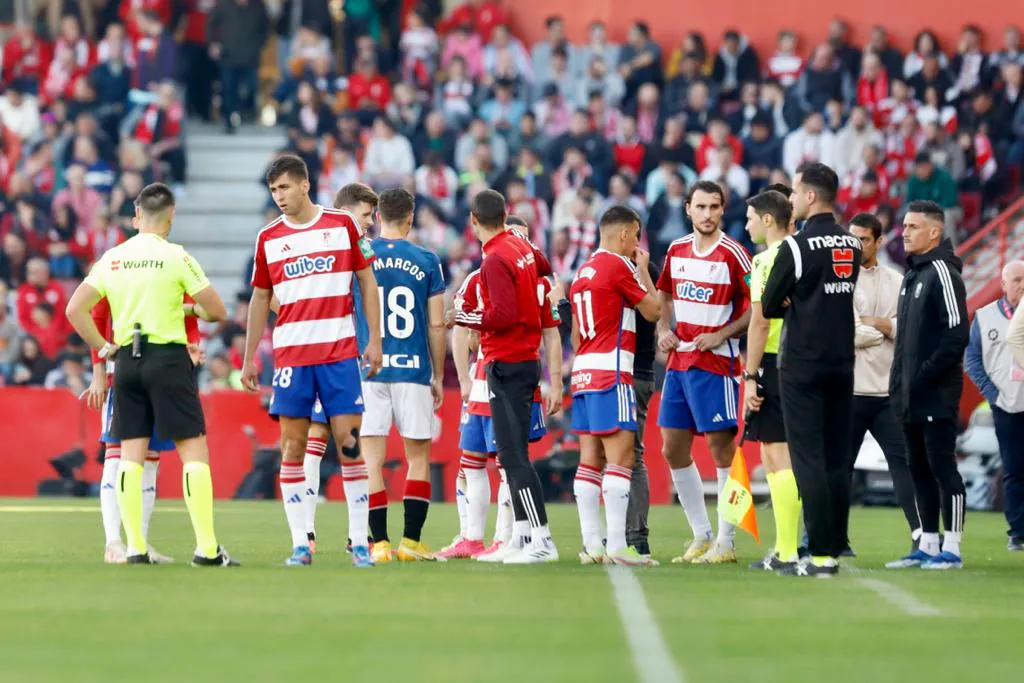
(808, 143)
(858, 133)
(19, 111)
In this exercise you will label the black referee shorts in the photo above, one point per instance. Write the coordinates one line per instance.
(767, 425)
(157, 394)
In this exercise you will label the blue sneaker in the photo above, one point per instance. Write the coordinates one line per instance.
(944, 560)
(361, 556)
(914, 559)
(301, 556)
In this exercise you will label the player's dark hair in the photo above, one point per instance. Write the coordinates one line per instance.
(354, 194)
(516, 221)
(785, 190)
(774, 204)
(927, 208)
(395, 205)
(489, 208)
(708, 186)
(823, 180)
(155, 198)
(869, 221)
(620, 215)
(287, 164)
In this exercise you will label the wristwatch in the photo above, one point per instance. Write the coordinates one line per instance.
(747, 375)
(107, 350)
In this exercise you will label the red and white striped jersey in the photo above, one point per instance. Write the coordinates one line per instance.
(310, 269)
(470, 300)
(709, 291)
(603, 297)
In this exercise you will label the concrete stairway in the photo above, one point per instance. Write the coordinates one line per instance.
(221, 214)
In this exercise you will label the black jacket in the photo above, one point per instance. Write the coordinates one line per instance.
(932, 331)
(816, 269)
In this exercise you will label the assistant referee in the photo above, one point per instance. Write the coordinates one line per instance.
(144, 280)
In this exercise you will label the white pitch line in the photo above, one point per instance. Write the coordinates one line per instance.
(651, 657)
(895, 595)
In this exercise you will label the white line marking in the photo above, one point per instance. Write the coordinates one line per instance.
(651, 656)
(895, 595)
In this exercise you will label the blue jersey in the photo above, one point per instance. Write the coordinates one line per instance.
(362, 329)
(407, 277)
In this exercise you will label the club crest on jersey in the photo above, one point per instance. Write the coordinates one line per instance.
(842, 262)
(689, 291)
(307, 265)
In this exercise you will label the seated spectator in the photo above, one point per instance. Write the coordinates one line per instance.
(28, 222)
(436, 136)
(981, 113)
(935, 184)
(13, 259)
(455, 94)
(542, 50)
(582, 227)
(599, 79)
(604, 120)
(810, 142)
(943, 150)
(935, 110)
(892, 60)
(871, 162)
(531, 171)
(49, 330)
(508, 50)
(69, 245)
(725, 171)
(561, 75)
(123, 195)
(873, 84)
(111, 78)
(438, 182)
(503, 111)
(677, 91)
(736, 62)
(389, 157)
(311, 115)
(835, 117)
(573, 172)
(552, 112)
(1011, 97)
(693, 46)
(483, 15)
(99, 173)
(462, 42)
(565, 259)
(10, 333)
(562, 214)
(1011, 52)
(598, 47)
(405, 111)
(900, 104)
(698, 108)
(657, 180)
(902, 148)
(432, 232)
(480, 168)
(581, 135)
(161, 130)
(823, 80)
(968, 64)
(156, 53)
(620, 193)
(667, 220)
(31, 366)
(750, 106)
(839, 41)
(307, 46)
(785, 65)
(72, 59)
(341, 170)
(19, 111)
(38, 288)
(479, 134)
(672, 145)
(640, 62)
(785, 112)
(980, 165)
(857, 134)
(527, 135)
(718, 134)
(419, 47)
(25, 57)
(931, 75)
(531, 209)
(762, 152)
(107, 233)
(221, 376)
(368, 91)
(70, 374)
(868, 197)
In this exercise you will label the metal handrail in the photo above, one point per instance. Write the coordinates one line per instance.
(1001, 221)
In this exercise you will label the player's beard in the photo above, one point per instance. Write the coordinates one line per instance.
(707, 231)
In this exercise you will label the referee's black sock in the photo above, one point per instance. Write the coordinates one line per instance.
(416, 503)
(379, 516)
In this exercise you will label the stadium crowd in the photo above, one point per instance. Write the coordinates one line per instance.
(96, 97)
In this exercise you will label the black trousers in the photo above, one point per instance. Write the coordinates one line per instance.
(639, 487)
(511, 386)
(1010, 434)
(199, 72)
(875, 414)
(818, 411)
(931, 452)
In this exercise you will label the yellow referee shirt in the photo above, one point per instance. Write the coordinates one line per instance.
(145, 279)
(760, 269)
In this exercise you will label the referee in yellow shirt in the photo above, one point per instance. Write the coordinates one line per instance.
(144, 280)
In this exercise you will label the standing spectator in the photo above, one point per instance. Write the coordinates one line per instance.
(839, 41)
(543, 50)
(968, 64)
(483, 15)
(785, 65)
(156, 53)
(198, 69)
(927, 379)
(85, 201)
(438, 182)
(857, 134)
(891, 59)
(736, 63)
(809, 143)
(238, 30)
(598, 47)
(932, 184)
(112, 78)
(990, 365)
(19, 111)
(389, 157)
(640, 61)
(37, 289)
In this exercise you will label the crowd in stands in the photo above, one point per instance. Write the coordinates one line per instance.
(94, 106)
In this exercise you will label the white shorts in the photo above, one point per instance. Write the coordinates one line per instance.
(409, 406)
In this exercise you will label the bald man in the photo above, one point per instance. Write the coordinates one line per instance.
(991, 365)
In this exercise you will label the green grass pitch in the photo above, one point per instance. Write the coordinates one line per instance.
(64, 616)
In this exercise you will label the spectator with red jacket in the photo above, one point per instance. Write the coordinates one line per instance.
(160, 128)
(38, 288)
(482, 15)
(25, 56)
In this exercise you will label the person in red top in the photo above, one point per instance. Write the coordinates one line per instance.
(482, 15)
(605, 297)
(867, 198)
(198, 67)
(38, 288)
(510, 334)
(26, 56)
(161, 128)
(873, 84)
(310, 258)
(705, 296)
(368, 91)
(131, 12)
(718, 135)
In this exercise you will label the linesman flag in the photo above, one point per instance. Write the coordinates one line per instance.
(736, 500)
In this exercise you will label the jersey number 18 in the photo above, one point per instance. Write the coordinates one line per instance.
(396, 319)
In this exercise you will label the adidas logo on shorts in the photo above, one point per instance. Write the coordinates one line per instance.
(717, 418)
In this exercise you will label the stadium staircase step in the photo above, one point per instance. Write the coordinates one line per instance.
(1000, 241)
(221, 213)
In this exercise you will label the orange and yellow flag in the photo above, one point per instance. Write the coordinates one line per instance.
(736, 500)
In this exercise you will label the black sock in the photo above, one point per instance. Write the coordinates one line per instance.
(379, 517)
(416, 502)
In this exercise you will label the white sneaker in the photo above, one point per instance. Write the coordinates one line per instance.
(115, 553)
(537, 552)
(158, 557)
(498, 556)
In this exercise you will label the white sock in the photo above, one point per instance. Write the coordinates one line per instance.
(520, 533)
(538, 531)
(478, 497)
(587, 490)
(356, 481)
(690, 490)
(726, 531)
(315, 449)
(461, 503)
(293, 494)
(109, 509)
(929, 543)
(915, 534)
(615, 487)
(506, 515)
(149, 472)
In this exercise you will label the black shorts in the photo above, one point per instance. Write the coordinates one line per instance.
(157, 394)
(767, 424)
